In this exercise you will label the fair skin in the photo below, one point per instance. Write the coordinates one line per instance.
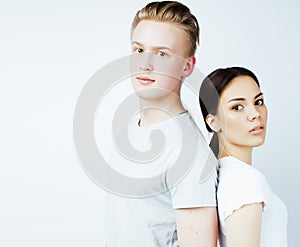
(241, 125)
(159, 65)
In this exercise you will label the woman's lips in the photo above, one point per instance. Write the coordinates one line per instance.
(257, 130)
(145, 80)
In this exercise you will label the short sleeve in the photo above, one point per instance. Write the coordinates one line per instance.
(198, 186)
(239, 188)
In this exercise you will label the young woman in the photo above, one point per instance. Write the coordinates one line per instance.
(233, 108)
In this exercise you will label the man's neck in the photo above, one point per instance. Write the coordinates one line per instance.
(159, 110)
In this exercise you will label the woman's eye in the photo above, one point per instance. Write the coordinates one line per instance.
(259, 102)
(237, 107)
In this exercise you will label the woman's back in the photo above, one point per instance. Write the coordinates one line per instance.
(241, 184)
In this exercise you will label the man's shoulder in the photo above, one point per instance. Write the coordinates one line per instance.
(190, 128)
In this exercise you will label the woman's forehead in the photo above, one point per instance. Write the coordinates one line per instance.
(240, 87)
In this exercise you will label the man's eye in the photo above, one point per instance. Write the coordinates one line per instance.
(139, 50)
(162, 54)
(237, 107)
(259, 102)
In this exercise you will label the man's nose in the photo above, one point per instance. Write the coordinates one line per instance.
(146, 61)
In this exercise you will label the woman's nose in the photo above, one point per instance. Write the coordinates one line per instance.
(253, 114)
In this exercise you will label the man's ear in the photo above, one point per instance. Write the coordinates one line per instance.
(212, 123)
(189, 67)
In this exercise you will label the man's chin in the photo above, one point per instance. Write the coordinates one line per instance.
(153, 93)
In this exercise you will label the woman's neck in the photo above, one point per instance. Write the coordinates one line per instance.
(242, 153)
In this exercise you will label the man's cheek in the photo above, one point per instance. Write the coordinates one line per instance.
(170, 67)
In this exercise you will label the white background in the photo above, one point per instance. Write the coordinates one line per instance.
(49, 49)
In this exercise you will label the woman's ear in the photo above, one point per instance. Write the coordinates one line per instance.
(212, 123)
(189, 67)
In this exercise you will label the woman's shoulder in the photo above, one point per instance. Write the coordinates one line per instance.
(237, 178)
(239, 184)
(233, 168)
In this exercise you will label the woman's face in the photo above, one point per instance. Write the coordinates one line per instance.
(242, 115)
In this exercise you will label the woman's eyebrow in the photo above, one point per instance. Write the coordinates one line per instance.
(260, 94)
(236, 99)
(243, 99)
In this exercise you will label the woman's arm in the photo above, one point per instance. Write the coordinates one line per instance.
(197, 227)
(243, 227)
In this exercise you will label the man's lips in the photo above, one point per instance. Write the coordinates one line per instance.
(145, 80)
(257, 130)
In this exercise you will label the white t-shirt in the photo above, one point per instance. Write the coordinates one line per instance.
(241, 184)
(148, 219)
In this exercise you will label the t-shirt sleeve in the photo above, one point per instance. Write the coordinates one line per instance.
(240, 188)
(197, 188)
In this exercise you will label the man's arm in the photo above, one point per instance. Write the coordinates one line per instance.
(197, 227)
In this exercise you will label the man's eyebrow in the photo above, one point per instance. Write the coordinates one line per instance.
(155, 48)
(136, 43)
(243, 99)
(161, 48)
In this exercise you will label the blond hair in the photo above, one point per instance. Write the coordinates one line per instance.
(172, 12)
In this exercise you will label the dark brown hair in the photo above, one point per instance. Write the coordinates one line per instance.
(210, 91)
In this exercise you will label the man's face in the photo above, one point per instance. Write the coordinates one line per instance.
(158, 59)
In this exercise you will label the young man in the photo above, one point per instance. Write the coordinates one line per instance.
(179, 208)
